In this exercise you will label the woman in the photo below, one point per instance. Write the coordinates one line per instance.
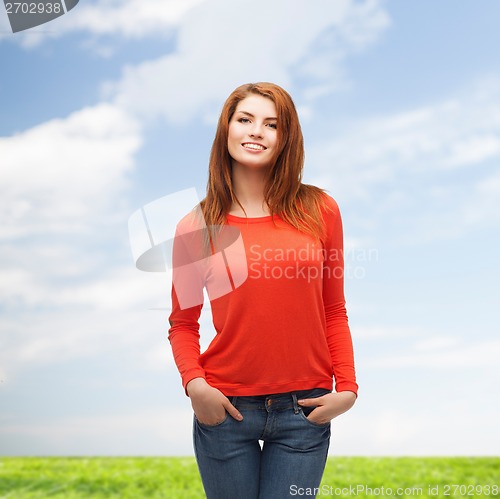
(262, 391)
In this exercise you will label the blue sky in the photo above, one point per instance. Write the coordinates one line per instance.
(114, 105)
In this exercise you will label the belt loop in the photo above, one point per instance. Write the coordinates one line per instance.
(233, 400)
(295, 404)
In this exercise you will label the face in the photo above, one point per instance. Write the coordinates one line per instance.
(252, 135)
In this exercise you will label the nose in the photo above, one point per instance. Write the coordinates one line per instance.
(256, 131)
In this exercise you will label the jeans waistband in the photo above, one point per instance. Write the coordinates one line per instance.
(276, 401)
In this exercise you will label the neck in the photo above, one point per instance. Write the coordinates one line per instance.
(248, 185)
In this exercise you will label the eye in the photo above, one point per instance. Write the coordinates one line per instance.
(244, 120)
(272, 125)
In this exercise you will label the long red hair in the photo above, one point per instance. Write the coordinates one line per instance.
(296, 203)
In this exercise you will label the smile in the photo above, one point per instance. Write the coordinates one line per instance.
(254, 147)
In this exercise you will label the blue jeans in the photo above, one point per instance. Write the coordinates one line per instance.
(232, 464)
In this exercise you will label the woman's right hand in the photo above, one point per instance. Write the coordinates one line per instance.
(209, 404)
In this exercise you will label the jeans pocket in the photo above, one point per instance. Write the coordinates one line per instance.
(305, 411)
(205, 425)
(312, 423)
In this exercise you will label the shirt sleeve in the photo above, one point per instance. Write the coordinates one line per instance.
(184, 339)
(187, 301)
(337, 327)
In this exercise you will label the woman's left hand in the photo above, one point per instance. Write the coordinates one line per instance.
(328, 406)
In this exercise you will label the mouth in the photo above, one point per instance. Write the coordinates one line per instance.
(252, 146)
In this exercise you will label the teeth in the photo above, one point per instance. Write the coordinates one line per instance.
(256, 147)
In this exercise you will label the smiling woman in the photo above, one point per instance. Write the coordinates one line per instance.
(282, 334)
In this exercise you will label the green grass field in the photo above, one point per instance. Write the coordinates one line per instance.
(177, 478)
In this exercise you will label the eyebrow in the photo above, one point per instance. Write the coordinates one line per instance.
(252, 116)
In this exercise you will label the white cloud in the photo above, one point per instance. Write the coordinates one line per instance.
(425, 172)
(130, 18)
(18, 284)
(455, 355)
(119, 289)
(57, 176)
(473, 149)
(415, 429)
(433, 139)
(218, 28)
(62, 186)
(384, 332)
(159, 431)
(392, 430)
(482, 205)
(218, 48)
(436, 343)
(87, 311)
(43, 338)
(86, 316)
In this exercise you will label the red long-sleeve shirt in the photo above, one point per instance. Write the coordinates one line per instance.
(278, 309)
